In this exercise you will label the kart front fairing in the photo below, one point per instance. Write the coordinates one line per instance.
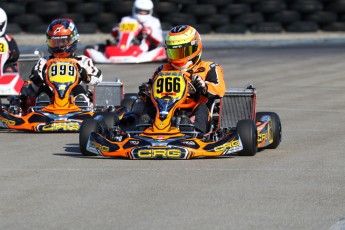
(160, 147)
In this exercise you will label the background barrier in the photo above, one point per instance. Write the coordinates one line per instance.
(208, 16)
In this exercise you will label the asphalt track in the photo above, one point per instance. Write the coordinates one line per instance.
(47, 184)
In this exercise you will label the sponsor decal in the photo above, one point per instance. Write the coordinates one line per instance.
(134, 142)
(60, 126)
(230, 147)
(7, 121)
(262, 137)
(161, 153)
(191, 143)
(94, 146)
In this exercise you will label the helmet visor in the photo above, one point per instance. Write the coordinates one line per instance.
(141, 11)
(2, 25)
(54, 42)
(176, 52)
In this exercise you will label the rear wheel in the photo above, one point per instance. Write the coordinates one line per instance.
(87, 127)
(248, 134)
(128, 103)
(276, 128)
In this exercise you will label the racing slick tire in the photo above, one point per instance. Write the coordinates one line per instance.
(128, 103)
(247, 130)
(109, 119)
(276, 128)
(87, 127)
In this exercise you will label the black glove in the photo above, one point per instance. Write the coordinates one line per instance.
(35, 77)
(84, 76)
(199, 84)
(144, 88)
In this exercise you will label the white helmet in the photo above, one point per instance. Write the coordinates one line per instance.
(142, 10)
(3, 21)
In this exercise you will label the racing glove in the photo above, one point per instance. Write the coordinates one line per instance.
(145, 88)
(35, 77)
(147, 31)
(199, 84)
(84, 76)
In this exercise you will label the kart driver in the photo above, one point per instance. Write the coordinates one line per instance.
(62, 39)
(8, 44)
(184, 49)
(151, 29)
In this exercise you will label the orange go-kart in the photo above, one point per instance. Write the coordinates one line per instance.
(235, 126)
(61, 113)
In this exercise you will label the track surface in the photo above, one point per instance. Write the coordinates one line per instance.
(47, 184)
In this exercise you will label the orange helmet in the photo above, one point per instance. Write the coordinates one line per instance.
(183, 47)
(62, 37)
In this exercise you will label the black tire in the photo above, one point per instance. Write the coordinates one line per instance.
(53, 8)
(180, 19)
(216, 2)
(121, 7)
(89, 8)
(165, 7)
(27, 19)
(236, 9)
(232, 29)
(248, 134)
(249, 18)
(303, 26)
(202, 28)
(36, 29)
(107, 27)
(334, 27)
(76, 17)
(322, 17)
(267, 27)
(109, 119)
(216, 19)
(276, 128)
(185, 2)
(166, 26)
(87, 127)
(307, 6)
(104, 18)
(201, 10)
(13, 28)
(285, 17)
(127, 103)
(87, 28)
(13, 8)
(337, 6)
(270, 6)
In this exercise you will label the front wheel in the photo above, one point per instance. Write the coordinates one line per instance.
(248, 134)
(275, 127)
(87, 127)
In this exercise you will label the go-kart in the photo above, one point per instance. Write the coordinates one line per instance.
(235, 126)
(11, 81)
(128, 49)
(63, 112)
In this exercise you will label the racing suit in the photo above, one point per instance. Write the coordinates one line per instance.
(9, 45)
(212, 74)
(88, 72)
(152, 39)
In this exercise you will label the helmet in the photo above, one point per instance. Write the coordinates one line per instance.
(183, 47)
(62, 37)
(3, 21)
(142, 10)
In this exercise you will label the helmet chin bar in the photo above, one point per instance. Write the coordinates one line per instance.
(184, 67)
